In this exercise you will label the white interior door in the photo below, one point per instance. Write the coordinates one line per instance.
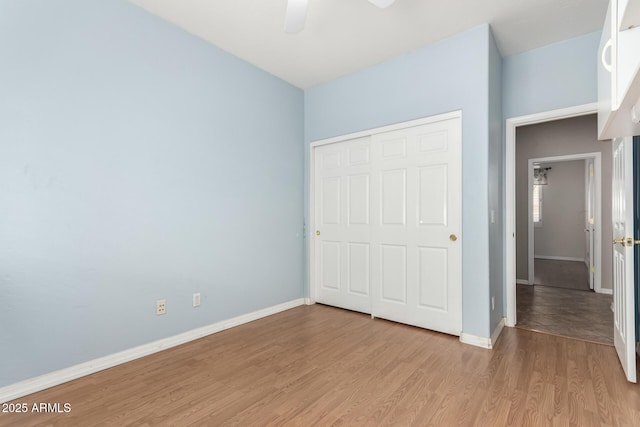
(623, 264)
(589, 220)
(416, 246)
(343, 224)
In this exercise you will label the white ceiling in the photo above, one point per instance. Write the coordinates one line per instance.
(342, 36)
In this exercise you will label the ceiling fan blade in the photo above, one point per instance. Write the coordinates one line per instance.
(382, 3)
(296, 15)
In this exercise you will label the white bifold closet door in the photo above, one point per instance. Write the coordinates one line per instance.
(387, 215)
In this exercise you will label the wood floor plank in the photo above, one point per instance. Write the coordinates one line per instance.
(322, 366)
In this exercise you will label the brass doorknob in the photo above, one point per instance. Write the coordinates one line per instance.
(628, 241)
(453, 237)
(317, 232)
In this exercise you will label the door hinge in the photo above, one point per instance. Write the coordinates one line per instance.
(593, 269)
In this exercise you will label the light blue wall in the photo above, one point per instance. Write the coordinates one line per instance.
(137, 162)
(449, 75)
(496, 165)
(556, 76)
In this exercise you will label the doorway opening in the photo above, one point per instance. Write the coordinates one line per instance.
(564, 259)
(564, 221)
(553, 246)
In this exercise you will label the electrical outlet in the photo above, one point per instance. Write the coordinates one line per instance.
(196, 299)
(493, 303)
(161, 307)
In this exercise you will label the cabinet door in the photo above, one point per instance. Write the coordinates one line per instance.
(627, 63)
(606, 71)
(619, 72)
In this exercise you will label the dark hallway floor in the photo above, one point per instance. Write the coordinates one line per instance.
(561, 274)
(561, 303)
(569, 313)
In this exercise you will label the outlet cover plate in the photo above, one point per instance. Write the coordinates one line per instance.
(161, 307)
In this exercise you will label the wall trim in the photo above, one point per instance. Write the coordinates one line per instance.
(522, 282)
(388, 128)
(604, 291)
(42, 382)
(497, 331)
(475, 340)
(558, 258)
(484, 342)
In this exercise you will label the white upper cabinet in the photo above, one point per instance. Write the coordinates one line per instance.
(629, 16)
(619, 71)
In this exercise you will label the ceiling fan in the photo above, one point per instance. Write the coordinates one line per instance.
(297, 12)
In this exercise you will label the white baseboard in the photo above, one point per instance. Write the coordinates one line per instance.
(558, 258)
(497, 331)
(604, 291)
(522, 282)
(51, 379)
(309, 301)
(475, 340)
(484, 342)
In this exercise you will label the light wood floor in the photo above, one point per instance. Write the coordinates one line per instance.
(321, 366)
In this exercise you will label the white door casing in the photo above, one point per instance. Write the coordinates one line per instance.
(596, 227)
(623, 262)
(384, 205)
(589, 220)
